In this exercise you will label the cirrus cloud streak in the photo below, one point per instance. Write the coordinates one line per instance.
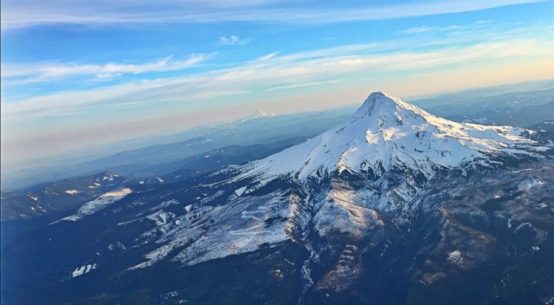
(49, 71)
(23, 14)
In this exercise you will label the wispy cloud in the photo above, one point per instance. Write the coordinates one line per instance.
(268, 56)
(418, 29)
(49, 71)
(424, 29)
(232, 40)
(274, 72)
(21, 14)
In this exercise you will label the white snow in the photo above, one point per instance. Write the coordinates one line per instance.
(455, 257)
(343, 211)
(161, 217)
(245, 230)
(257, 115)
(84, 269)
(95, 185)
(165, 204)
(386, 132)
(109, 177)
(98, 204)
(240, 191)
(264, 113)
(527, 184)
(72, 192)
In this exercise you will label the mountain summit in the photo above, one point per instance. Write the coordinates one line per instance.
(387, 133)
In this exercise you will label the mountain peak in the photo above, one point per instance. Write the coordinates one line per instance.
(263, 113)
(378, 102)
(258, 114)
(386, 133)
(379, 97)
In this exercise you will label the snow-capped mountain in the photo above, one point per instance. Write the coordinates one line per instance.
(386, 132)
(257, 115)
(393, 206)
(393, 148)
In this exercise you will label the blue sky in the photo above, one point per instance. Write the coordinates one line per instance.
(91, 72)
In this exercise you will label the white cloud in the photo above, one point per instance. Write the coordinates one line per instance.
(268, 56)
(418, 29)
(21, 14)
(231, 40)
(49, 71)
(333, 66)
(473, 27)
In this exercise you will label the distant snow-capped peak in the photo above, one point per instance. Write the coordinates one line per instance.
(386, 132)
(263, 113)
(258, 114)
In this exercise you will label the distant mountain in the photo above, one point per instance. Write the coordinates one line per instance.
(218, 158)
(33, 207)
(392, 206)
(522, 105)
(171, 150)
(545, 130)
(167, 158)
(520, 116)
(523, 109)
(257, 115)
(508, 95)
(545, 126)
(57, 197)
(67, 194)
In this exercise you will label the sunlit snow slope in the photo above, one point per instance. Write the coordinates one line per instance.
(386, 132)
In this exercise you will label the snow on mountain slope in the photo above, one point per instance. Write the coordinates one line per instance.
(397, 143)
(98, 204)
(386, 132)
(238, 227)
